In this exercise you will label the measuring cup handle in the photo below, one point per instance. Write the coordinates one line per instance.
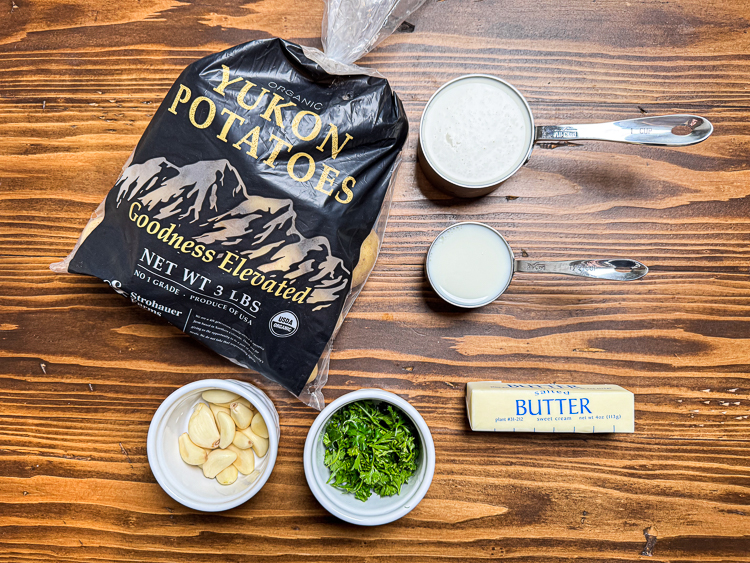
(618, 269)
(664, 131)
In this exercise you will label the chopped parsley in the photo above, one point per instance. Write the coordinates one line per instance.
(370, 448)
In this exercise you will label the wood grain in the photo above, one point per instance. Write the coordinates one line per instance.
(82, 371)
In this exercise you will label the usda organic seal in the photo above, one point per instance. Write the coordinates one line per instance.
(283, 324)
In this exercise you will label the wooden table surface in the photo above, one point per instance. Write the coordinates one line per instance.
(82, 370)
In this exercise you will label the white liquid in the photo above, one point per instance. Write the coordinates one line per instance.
(470, 265)
(476, 131)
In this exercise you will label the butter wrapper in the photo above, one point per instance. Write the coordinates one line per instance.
(493, 406)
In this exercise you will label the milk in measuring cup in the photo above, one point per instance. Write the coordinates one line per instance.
(469, 265)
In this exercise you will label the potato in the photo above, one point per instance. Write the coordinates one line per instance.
(367, 256)
(313, 375)
(90, 226)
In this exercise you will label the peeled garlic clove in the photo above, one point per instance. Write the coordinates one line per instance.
(258, 426)
(259, 444)
(226, 429)
(260, 447)
(245, 462)
(216, 409)
(242, 400)
(219, 396)
(247, 403)
(241, 415)
(190, 453)
(227, 476)
(242, 441)
(202, 427)
(218, 461)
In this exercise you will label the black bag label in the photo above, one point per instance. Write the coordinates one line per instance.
(241, 215)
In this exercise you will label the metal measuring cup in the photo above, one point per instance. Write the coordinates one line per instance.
(616, 269)
(665, 131)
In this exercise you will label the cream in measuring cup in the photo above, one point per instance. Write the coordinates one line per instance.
(470, 265)
(478, 130)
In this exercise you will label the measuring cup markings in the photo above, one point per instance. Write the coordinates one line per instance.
(679, 130)
(615, 269)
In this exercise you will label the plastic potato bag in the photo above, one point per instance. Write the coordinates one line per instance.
(251, 211)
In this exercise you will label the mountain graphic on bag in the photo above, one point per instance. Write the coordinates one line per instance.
(211, 195)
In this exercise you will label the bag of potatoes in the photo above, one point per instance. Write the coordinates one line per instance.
(250, 213)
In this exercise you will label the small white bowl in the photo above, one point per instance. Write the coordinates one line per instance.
(376, 510)
(186, 483)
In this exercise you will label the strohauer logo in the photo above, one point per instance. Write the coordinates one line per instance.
(283, 324)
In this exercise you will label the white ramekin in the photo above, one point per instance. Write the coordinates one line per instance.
(186, 483)
(376, 510)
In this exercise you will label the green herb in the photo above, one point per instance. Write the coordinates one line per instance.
(370, 448)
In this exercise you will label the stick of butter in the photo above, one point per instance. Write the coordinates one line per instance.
(493, 406)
